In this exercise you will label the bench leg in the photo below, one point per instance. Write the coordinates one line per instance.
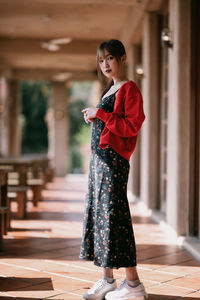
(5, 229)
(37, 190)
(1, 232)
(8, 218)
(21, 201)
(1, 243)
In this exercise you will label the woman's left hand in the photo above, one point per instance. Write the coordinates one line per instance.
(89, 113)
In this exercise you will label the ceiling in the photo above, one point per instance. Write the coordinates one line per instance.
(25, 25)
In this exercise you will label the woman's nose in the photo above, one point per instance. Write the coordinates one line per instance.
(106, 63)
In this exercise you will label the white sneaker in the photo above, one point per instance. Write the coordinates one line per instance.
(126, 292)
(99, 289)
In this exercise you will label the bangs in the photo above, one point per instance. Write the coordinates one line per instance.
(102, 53)
(113, 47)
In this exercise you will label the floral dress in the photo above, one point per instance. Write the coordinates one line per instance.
(108, 237)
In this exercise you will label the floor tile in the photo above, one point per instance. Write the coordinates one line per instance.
(167, 290)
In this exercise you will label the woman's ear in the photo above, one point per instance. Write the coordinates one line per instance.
(123, 58)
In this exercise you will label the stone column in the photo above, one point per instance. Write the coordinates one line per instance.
(178, 117)
(150, 92)
(133, 58)
(60, 110)
(14, 102)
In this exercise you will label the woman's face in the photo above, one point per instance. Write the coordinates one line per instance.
(108, 64)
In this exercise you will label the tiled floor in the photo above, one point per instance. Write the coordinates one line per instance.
(40, 258)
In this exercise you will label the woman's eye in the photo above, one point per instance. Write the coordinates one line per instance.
(110, 57)
(100, 61)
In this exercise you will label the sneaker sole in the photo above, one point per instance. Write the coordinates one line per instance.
(132, 298)
(97, 298)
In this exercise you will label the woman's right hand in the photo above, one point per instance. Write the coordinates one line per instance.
(89, 113)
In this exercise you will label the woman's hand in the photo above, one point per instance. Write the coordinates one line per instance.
(89, 113)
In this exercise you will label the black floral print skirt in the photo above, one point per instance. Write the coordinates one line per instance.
(108, 237)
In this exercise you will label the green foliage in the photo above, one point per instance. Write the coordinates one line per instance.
(35, 97)
(75, 118)
(79, 90)
(76, 159)
(79, 131)
(84, 135)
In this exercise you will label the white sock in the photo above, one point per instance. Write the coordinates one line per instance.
(109, 279)
(133, 283)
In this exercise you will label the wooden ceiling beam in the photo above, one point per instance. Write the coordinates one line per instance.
(5, 68)
(133, 21)
(33, 46)
(52, 75)
(82, 2)
(131, 32)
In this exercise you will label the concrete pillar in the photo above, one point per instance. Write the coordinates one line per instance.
(178, 117)
(4, 117)
(150, 92)
(133, 58)
(60, 106)
(50, 119)
(14, 102)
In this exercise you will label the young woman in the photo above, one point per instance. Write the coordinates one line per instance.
(108, 237)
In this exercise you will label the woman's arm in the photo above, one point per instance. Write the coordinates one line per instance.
(125, 124)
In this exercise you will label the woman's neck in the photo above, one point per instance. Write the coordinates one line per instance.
(119, 80)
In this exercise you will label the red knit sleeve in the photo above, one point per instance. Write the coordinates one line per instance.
(128, 123)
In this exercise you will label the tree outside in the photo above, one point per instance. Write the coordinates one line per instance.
(35, 98)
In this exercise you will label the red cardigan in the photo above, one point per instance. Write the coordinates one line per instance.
(123, 124)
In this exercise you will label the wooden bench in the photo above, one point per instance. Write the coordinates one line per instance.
(36, 185)
(18, 184)
(17, 192)
(34, 171)
(39, 174)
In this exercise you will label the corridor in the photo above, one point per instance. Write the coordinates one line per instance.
(40, 258)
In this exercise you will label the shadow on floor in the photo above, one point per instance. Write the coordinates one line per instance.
(21, 298)
(8, 284)
(69, 249)
(54, 216)
(73, 216)
(165, 297)
(30, 229)
(61, 200)
(39, 247)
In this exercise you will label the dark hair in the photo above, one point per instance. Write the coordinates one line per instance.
(116, 49)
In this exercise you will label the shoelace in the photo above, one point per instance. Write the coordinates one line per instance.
(98, 285)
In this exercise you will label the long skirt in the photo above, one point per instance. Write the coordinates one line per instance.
(108, 237)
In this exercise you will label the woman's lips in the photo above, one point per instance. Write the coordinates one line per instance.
(108, 71)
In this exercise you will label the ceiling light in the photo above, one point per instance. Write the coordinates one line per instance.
(46, 17)
(50, 46)
(166, 38)
(62, 76)
(139, 71)
(61, 41)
